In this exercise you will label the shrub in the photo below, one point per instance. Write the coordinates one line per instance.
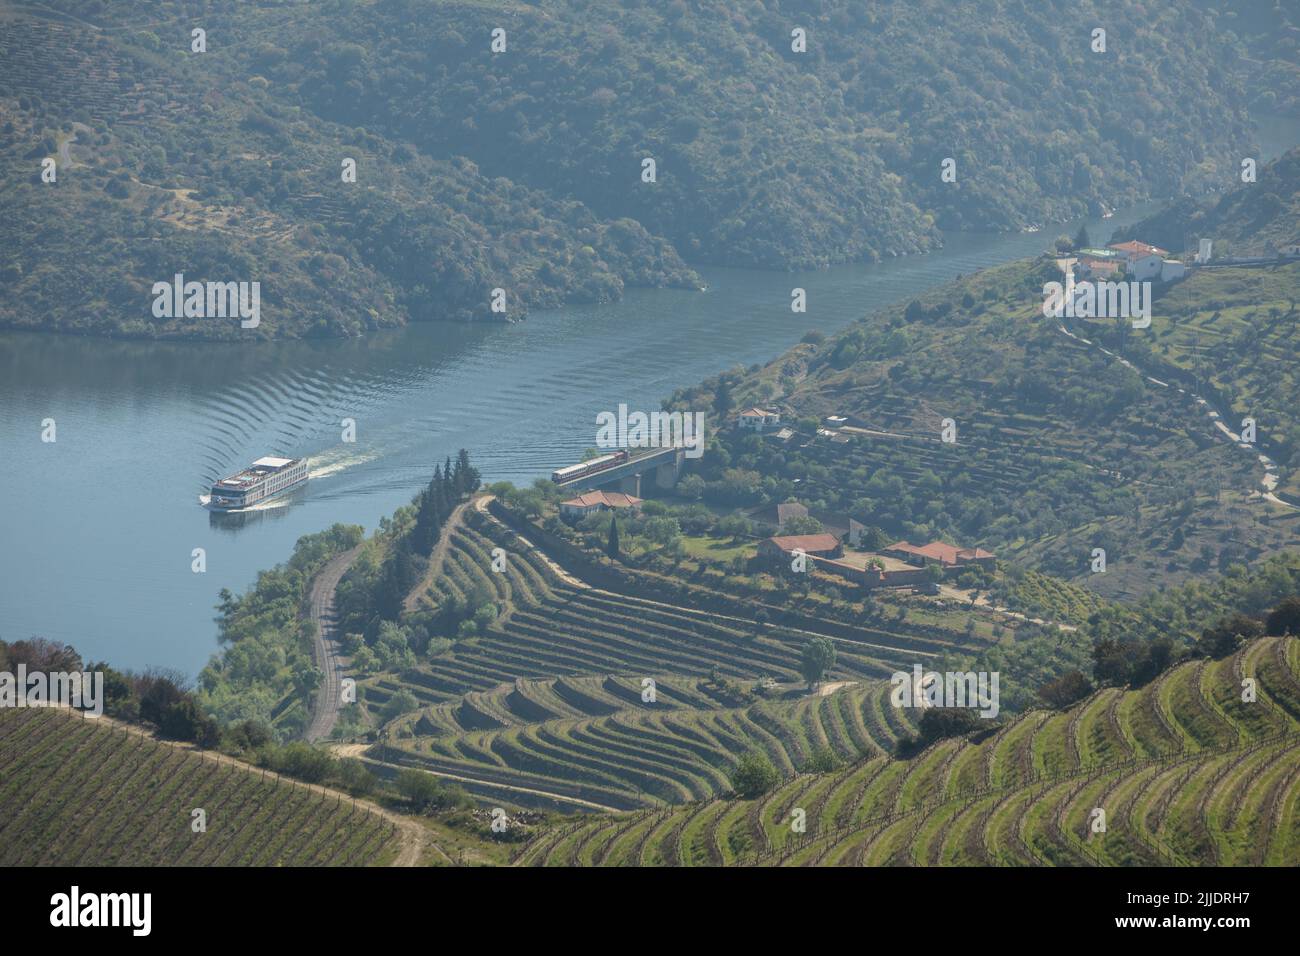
(754, 775)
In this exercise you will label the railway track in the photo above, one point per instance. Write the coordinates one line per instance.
(325, 708)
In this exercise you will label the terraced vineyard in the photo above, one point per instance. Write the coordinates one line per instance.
(1185, 772)
(77, 792)
(627, 753)
(555, 628)
(551, 697)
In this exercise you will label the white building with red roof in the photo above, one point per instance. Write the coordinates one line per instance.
(1143, 261)
(757, 419)
(591, 501)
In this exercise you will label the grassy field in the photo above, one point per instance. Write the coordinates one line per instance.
(718, 549)
(76, 792)
(1184, 771)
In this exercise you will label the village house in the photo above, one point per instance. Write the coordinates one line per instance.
(1095, 267)
(583, 505)
(870, 576)
(758, 419)
(1143, 261)
(812, 545)
(944, 555)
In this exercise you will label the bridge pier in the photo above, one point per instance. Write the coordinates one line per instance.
(630, 485)
(666, 475)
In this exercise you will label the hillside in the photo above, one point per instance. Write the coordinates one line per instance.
(76, 792)
(1229, 332)
(1252, 219)
(1060, 446)
(521, 170)
(143, 192)
(1185, 772)
(494, 654)
(1271, 32)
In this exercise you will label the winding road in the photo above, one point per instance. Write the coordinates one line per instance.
(1270, 480)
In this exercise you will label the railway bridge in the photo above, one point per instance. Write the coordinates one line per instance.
(664, 463)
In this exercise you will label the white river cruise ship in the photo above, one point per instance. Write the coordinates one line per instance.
(263, 479)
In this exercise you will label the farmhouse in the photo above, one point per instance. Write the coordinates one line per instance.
(758, 419)
(1143, 260)
(1134, 248)
(1089, 267)
(585, 504)
(813, 545)
(944, 555)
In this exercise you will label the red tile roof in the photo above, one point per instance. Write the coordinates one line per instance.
(938, 551)
(1135, 248)
(1099, 265)
(806, 542)
(610, 499)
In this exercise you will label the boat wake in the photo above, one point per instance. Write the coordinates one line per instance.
(336, 460)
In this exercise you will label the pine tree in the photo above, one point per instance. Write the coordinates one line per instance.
(1081, 240)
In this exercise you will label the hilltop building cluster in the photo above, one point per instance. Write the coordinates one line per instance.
(1134, 260)
(901, 564)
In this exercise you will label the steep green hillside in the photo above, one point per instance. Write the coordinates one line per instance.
(1185, 772)
(1251, 219)
(1230, 332)
(777, 158)
(77, 792)
(164, 167)
(521, 170)
(1060, 447)
(1271, 31)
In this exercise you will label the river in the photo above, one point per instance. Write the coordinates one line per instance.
(99, 526)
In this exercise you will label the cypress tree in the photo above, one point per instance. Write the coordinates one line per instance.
(469, 476)
(612, 548)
